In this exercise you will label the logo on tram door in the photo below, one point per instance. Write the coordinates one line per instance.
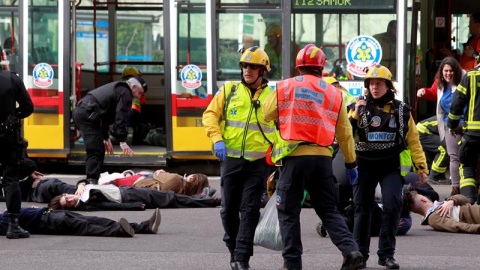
(362, 53)
(43, 75)
(191, 77)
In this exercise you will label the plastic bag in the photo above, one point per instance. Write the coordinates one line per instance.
(267, 233)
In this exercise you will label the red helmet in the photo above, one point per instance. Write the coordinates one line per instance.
(311, 56)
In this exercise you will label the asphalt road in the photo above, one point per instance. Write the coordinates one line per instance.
(192, 239)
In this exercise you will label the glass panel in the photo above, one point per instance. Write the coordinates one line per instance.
(139, 38)
(85, 40)
(9, 3)
(242, 30)
(9, 50)
(43, 58)
(191, 100)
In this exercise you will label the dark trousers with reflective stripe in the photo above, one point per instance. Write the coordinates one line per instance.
(242, 188)
(468, 156)
(314, 174)
(391, 183)
(435, 152)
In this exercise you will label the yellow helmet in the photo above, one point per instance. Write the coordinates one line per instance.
(330, 80)
(273, 29)
(129, 72)
(255, 55)
(379, 72)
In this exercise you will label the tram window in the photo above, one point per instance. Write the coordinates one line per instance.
(9, 3)
(324, 31)
(85, 40)
(242, 30)
(140, 39)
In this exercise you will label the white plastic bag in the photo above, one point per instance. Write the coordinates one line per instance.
(267, 233)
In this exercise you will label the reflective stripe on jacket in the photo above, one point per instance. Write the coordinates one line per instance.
(245, 122)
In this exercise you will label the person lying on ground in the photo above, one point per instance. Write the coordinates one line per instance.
(62, 222)
(161, 180)
(109, 197)
(453, 215)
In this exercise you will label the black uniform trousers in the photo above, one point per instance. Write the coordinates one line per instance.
(242, 188)
(10, 171)
(391, 183)
(91, 130)
(468, 156)
(314, 174)
(164, 199)
(61, 222)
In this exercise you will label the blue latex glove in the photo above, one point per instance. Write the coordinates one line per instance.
(352, 174)
(220, 150)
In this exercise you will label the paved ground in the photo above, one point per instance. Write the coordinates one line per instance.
(191, 239)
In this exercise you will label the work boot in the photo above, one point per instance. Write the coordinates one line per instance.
(469, 192)
(154, 221)
(14, 230)
(242, 266)
(352, 260)
(389, 263)
(124, 229)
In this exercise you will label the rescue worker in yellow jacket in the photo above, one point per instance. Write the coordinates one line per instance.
(309, 114)
(235, 124)
(466, 103)
(385, 129)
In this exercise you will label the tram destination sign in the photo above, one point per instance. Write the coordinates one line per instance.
(343, 4)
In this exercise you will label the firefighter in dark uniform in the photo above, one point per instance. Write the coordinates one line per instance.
(435, 150)
(12, 144)
(386, 131)
(101, 107)
(467, 95)
(234, 122)
(306, 102)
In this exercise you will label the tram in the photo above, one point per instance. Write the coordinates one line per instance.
(186, 49)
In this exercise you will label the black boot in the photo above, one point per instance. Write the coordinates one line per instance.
(14, 230)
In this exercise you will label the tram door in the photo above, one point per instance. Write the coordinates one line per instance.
(188, 68)
(45, 77)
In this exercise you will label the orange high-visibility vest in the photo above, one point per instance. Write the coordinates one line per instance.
(308, 109)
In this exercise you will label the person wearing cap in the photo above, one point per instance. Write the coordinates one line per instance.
(101, 107)
(235, 124)
(386, 131)
(466, 106)
(308, 103)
